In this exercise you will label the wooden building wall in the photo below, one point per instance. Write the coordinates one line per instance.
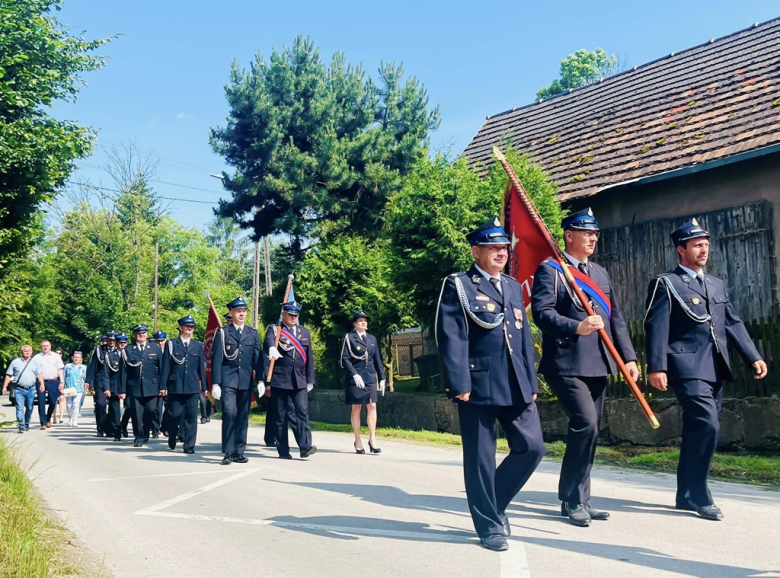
(742, 253)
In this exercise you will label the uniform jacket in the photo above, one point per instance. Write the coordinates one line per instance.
(361, 357)
(184, 370)
(95, 367)
(291, 371)
(684, 348)
(113, 368)
(141, 371)
(479, 360)
(248, 357)
(555, 313)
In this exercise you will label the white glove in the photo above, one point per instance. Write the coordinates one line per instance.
(359, 381)
(260, 386)
(273, 353)
(216, 392)
(382, 387)
(309, 387)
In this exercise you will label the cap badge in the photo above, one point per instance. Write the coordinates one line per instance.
(590, 212)
(694, 222)
(497, 223)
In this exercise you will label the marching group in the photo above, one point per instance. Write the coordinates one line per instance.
(157, 386)
(487, 368)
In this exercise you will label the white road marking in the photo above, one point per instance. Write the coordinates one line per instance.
(157, 476)
(513, 562)
(168, 503)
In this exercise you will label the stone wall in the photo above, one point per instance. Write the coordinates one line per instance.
(752, 423)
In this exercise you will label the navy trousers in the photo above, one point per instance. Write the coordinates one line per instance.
(52, 392)
(113, 418)
(489, 490)
(144, 416)
(289, 402)
(183, 418)
(582, 398)
(235, 419)
(701, 402)
(270, 422)
(101, 412)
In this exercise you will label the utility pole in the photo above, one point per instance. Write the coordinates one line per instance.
(156, 272)
(256, 286)
(267, 259)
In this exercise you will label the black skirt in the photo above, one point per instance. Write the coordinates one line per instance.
(353, 395)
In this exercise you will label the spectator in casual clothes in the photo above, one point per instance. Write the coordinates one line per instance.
(24, 373)
(51, 367)
(61, 405)
(75, 375)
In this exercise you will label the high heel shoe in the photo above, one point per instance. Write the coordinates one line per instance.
(358, 451)
(373, 449)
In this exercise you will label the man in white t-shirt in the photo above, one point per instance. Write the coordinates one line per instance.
(50, 365)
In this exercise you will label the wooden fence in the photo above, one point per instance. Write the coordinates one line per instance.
(766, 335)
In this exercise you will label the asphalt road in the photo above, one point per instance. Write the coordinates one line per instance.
(152, 512)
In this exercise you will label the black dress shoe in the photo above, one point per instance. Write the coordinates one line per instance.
(711, 512)
(373, 449)
(687, 506)
(240, 459)
(172, 444)
(596, 514)
(100, 434)
(495, 542)
(358, 451)
(227, 460)
(117, 438)
(155, 435)
(137, 445)
(576, 513)
(189, 451)
(505, 524)
(285, 456)
(310, 452)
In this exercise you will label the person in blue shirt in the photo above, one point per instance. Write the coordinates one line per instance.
(25, 375)
(75, 374)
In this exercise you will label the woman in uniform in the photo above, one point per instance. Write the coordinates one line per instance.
(364, 378)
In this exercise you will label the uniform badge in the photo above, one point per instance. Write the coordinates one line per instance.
(686, 278)
(228, 346)
(358, 348)
(695, 300)
(491, 307)
(519, 324)
(483, 298)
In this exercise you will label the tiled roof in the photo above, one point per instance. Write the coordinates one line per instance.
(709, 102)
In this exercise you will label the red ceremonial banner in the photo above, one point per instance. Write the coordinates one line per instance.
(529, 244)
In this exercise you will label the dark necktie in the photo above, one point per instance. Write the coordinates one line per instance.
(583, 268)
(186, 345)
(496, 283)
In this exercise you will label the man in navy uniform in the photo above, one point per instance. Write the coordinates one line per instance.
(690, 323)
(575, 362)
(121, 343)
(95, 371)
(161, 423)
(487, 366)
(184, 376)
(110, 389)
(141, 374)
(237, 361)
(292, 379)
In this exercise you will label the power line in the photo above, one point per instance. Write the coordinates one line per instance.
(83, 164)
(86, 186)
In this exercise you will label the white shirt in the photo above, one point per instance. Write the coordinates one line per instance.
(573, 261)
(49, 364)
(488, 276)
(186, 342)
(693, 273)
(239, 327)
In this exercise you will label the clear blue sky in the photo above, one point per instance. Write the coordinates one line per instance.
(163, 87)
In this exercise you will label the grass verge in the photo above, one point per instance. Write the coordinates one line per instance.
(731, 466)
(29, 540)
